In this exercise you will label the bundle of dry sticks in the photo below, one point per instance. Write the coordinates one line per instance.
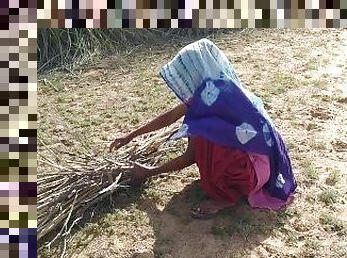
(64, 196)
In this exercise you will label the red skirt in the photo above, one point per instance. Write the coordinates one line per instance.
(226, 174)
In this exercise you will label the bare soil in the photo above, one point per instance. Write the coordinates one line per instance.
(302, 77)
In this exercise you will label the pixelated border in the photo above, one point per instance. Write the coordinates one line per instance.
(19, 92)
(18, 127)
(193, 14)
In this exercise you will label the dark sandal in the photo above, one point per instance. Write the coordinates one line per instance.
(198, 213)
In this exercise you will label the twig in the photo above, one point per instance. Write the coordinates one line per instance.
(64, 249)
(65, 224)
(72, 225)
(53, 165)
(45, 64)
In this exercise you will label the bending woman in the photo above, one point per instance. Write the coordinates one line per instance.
(231, 138)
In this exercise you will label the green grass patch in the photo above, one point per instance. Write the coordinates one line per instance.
(333, 178)
(220, 231)
(282, 82)
(329, 197)
(155, 195)
(319, 146)
(289, 212)
(52, 86)
(93, 229)
(311, 248)
(291, 240)
(88, 123)
(42, 135)
(245, 223)
(311, 64)
(192, 173)
(311, 126)
(248, 225)
(312, 172)
(305, 163)
(64, 98)
(330, 222)
(130, 216)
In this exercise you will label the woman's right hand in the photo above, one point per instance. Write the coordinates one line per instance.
(119, 142)
(138, 174)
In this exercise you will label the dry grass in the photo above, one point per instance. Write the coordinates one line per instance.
(301, 75)
(68, 49)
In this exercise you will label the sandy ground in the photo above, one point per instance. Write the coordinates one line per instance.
(302, 77)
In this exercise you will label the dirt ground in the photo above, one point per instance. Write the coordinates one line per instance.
(301, 75)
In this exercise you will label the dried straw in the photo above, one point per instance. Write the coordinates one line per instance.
(64, 196)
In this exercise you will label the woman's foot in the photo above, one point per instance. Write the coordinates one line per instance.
(209, 208)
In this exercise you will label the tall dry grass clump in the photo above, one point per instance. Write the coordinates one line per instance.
(71, 47)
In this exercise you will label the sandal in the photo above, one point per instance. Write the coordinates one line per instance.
(198, 213)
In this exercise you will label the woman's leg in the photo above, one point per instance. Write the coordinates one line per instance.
(220, 171)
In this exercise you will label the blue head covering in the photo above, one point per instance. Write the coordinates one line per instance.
(221, 110)
(192, 65)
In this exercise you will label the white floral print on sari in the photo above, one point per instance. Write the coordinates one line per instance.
(280, 181)
(245, 132)
(210, 93)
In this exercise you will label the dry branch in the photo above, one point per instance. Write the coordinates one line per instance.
(65, 195)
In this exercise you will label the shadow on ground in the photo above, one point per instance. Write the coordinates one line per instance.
(234, 231)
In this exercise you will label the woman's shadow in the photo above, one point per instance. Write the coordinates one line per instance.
(233, 232)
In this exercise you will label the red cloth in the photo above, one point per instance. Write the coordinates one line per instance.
(226, 174)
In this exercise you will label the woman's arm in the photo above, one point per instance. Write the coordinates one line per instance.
(141, 173)
(161, 121)
(176, 164)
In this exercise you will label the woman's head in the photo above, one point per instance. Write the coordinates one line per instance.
(193, 64)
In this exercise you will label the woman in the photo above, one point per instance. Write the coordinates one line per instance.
(231, 137)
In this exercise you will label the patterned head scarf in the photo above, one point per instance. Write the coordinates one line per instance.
(193, 64)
